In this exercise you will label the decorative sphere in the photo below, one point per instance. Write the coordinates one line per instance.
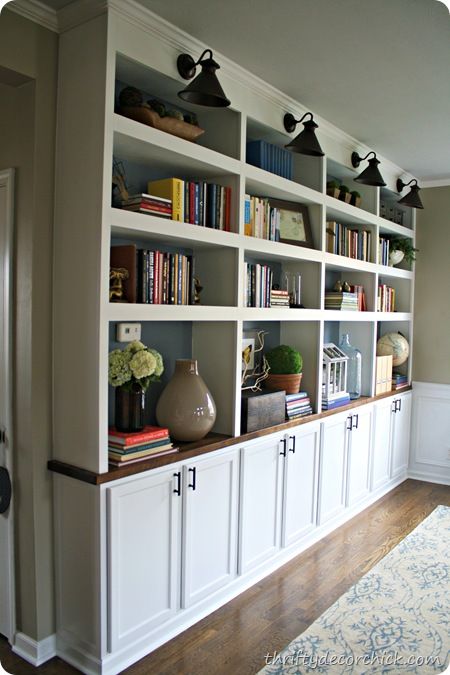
(393, 344)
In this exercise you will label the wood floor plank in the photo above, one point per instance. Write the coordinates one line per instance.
(235, 638)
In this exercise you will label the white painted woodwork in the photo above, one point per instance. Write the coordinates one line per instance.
(7, 592)
(359, 450)
(382, 443)
(333, 464)
(300, 483)
(430, 432)
(209, 552)
(401, 435)
(260, 505)
(144, 518)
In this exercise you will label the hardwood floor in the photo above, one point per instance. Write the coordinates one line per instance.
(234, 639)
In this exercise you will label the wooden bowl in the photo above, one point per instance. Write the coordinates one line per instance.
(190, 132)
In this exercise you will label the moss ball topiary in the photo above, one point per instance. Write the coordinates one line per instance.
(284, 360)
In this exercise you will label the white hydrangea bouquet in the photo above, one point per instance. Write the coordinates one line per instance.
(135, 366)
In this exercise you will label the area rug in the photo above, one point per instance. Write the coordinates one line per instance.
(396, 619)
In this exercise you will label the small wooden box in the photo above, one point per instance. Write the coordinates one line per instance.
(383, 378)
(262, 410)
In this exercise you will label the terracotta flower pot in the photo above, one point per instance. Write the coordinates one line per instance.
(290, 383)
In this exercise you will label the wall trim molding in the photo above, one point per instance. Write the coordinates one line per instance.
(429, 453)
(36, 11)
(429, 477)
(442, 182)
(32, 651)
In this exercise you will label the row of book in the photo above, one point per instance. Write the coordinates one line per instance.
(383, 251)
(164, 278)
(399, 381)
(195, 202)
(386, 298)
(352, 243)
(270, 158)
(145, 203)
(298, 405)
(261, 220)
(128, 448)
(257, 285)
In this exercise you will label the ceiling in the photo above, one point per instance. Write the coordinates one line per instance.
(379, 69)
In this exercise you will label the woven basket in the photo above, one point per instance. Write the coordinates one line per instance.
(190, 132)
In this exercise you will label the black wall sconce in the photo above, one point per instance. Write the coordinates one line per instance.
(371, 175)
(411, 199)
(306, 142)
(205, 88)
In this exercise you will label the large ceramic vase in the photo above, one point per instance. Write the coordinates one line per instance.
(129, 409)
(186, 406)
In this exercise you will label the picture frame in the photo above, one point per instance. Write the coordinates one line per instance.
(252, 358)
(295, 226)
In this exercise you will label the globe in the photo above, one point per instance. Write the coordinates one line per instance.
(395, 344)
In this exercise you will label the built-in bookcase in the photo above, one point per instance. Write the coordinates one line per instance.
(212, 330)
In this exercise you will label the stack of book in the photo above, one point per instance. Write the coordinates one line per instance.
(298, 405)
(257, 285)
(270, 158)
(151, 204)
(383, 251)
(399, 381)
(336, 401)
(386, 298)
(343, 240)
(361, 296)
(196, 202)
(127, 448)
(279, 298)
(344, 301)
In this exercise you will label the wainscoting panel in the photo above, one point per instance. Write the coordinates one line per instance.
(430, 439)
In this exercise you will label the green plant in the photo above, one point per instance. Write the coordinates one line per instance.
(333, 185)
(355, 194)
(284, 360)
(403, 244)
(344, 188)
(135, 366)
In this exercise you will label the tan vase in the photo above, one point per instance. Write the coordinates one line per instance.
(186, 406)
(290, 383)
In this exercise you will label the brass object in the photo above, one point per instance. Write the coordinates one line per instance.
(116, 276)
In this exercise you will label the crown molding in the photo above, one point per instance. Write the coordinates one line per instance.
(431, 183)
(79, 12)
(35, 11)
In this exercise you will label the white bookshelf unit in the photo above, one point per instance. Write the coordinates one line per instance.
(107, 618)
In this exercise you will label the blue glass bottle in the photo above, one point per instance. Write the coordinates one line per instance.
(353, 366)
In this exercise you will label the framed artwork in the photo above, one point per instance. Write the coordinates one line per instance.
(295, 226)
(252, 369)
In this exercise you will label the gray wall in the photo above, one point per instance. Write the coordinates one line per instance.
(27, 132)
(432, 289)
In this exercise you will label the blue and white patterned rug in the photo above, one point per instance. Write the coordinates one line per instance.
(396, 619)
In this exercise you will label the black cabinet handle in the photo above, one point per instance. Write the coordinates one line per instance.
(283, 452)
(2, 435)
(355, 424)
(193, 485)
(349, 422)
(399, 404)
(177, 490)
(293, 444)
(394, 406)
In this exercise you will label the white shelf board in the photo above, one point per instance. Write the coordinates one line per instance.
(142, 144)
(145, 312)
(394, 316)
(127, 224)
(265, 184)
(394, 272)
(342, 315)
(277, 251)
(342, 262)
(279, 314)
(387, 227)
(348, 214)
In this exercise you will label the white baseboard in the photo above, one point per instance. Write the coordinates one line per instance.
(430, 433)
(429, 477)
(32, 651)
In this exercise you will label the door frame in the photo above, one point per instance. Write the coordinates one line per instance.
(7, 179)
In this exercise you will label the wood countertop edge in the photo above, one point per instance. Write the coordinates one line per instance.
(206, 445)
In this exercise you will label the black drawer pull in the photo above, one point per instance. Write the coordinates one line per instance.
(283, 452)
(193, 485)
(293, 444)
(177, 489)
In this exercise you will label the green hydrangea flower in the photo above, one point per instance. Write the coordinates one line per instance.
(135, 346)
(159, 369)
(142, 364)
(119, 368)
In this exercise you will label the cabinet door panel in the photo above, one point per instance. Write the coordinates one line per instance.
(333, 457)
(300, 483)
(359, 455)
(144, 519)
(382, 440)
(260, 513)
(401, 436)
(210, 526)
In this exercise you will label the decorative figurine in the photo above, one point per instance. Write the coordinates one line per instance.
(116, 276)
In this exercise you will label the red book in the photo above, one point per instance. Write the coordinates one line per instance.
(148, 433)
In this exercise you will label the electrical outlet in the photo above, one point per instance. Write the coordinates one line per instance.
(127, 332)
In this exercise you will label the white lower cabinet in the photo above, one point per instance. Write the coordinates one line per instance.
(359, 450)
(172, 541)
(278, 493)
(401, 433)
(391, 439)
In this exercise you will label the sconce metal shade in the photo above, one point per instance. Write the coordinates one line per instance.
(306, 142)
(412, 199)
(205, 89)
(371, 175)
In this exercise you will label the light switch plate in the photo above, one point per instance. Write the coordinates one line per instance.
(127, 332)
